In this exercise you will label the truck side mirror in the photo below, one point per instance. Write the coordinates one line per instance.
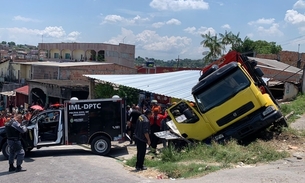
(258, 71)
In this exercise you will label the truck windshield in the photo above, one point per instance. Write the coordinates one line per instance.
(220, 91)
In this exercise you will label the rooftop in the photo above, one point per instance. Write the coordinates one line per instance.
(63, 64)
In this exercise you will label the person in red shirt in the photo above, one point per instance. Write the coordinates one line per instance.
(155, 126)
(155, 105)
(27, 115)
(2, 120)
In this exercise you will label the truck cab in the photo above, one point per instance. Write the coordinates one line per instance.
(229, 103)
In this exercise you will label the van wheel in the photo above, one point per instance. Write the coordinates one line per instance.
(101, 145)
(5, 150)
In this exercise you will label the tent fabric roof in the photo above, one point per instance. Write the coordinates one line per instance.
(8, 93)
(23, 90)
(171, 84)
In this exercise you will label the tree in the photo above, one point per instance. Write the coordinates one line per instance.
(10, 44)
(3, 42)
(108, 90)
(236, 41)
(214, 44)
(264, 47)
(225, 39)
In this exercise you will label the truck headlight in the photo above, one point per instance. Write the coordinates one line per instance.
(268, 110)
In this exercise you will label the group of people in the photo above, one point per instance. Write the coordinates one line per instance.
(141, 128)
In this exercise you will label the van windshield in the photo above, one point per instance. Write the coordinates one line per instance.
(220, 91)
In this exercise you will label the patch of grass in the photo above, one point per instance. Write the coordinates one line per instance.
(201, 159)
(179, 170)
(297, 107)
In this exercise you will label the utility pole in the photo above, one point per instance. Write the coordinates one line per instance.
(299, 57)
(178, 62)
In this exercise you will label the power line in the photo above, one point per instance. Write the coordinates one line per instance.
(287, 42)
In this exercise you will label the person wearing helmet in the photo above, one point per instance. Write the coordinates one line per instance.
(155, 105)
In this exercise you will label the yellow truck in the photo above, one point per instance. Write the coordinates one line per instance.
(231, 101)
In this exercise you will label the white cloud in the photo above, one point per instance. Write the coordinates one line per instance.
(24, 19)
(300, 4)
(173, 21)
(294, 17)
(56, 32)
(151, 41)
(158, 24)
(273, 30)
(120, 19)
(73, 36)
(177, 5)
(262, 21)
(30, 36)
(200, 30)
(191, 30)
(226, 26)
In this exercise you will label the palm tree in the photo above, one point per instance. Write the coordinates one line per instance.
(225, 39)
(235, 41)
(214, 44)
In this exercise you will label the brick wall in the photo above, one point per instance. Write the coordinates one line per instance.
(76, 72)
(44, 72)
(287, 57)
(280, 75)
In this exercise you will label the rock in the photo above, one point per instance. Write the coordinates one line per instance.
(298, 155)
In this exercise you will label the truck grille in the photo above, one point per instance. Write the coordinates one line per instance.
(235, 114)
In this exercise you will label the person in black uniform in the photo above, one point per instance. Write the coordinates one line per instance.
(13, 132)
(142, 138)
(132, 120)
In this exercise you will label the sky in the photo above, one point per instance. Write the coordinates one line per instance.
(160, 29)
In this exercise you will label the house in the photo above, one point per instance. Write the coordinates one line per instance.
(122, 54)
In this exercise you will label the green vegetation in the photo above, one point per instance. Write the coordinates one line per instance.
(108, 90)
(201, 159)
(297, 107)
(217, 43)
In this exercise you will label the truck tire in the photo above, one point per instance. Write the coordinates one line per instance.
(101, 145)
(5, 150)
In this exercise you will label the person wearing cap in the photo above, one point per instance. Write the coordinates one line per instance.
(155, 105)
(155, 126)
(142, 138)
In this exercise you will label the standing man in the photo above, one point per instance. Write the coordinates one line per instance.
(142, 138)
(13, 132)
(132, 120)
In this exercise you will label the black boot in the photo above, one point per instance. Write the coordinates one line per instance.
(19, 169)
(12, 168)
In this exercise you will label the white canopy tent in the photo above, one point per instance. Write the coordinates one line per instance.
(171, 84)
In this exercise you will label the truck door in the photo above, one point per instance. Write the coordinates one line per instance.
(47, 128)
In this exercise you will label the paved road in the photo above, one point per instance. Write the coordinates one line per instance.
(68, 164)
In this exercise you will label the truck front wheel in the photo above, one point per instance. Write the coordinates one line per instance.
(5, 150)
(101, 145)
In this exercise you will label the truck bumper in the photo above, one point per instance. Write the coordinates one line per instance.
(252, 124)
